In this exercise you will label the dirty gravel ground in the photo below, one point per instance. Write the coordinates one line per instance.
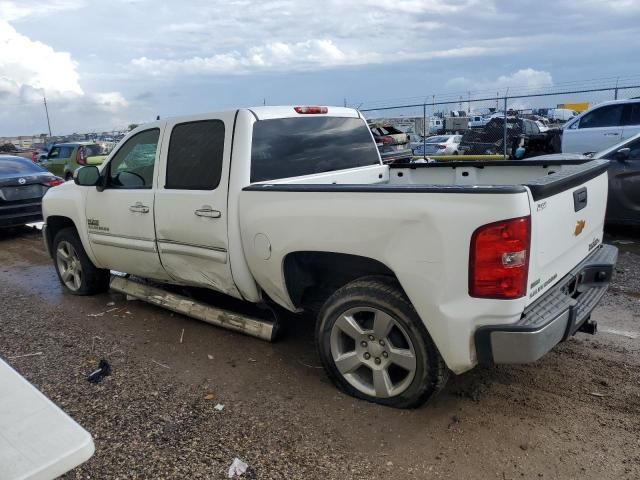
(150, 418)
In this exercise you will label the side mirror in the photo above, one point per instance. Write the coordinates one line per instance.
(623, 154)
(87, 176)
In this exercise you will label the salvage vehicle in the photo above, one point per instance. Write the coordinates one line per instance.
(22, 186)
(602, 126)
(63, 159)
(524, 139)
(438, 145)
(292, 206)
(392, 143)
(623, 202)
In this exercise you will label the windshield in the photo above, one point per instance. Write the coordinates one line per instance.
(291, 147)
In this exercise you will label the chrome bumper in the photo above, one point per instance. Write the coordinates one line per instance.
(554, 317)
(45, 240)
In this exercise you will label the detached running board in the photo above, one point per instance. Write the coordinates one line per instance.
(252, 326)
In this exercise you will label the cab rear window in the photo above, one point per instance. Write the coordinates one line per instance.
(292, 147)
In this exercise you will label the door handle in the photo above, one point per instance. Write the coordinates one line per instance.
(611, 134)
(138, 207)
(207, 211)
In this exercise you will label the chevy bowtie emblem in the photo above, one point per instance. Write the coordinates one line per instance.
(579, 227)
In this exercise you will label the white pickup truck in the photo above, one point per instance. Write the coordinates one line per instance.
(413, 270)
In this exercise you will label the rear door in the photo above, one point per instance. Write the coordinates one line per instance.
(631, 120)
(567, 221)
(191, 203)
(120, 218)
(595, 131)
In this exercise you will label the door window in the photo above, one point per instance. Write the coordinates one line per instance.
(194, 161)
(632, 114)
(60, 152)
(608, 116)
(133, 164)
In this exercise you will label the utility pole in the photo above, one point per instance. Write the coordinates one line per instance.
(46, 109)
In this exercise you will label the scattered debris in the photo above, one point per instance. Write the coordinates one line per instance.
(597, 394)
(219, 407)
(237, 468)
(623, 242)
(524, 447)
(93, 342)
(210, 357)
(208, 396)
(111, 304)
(389, 464)
(102, 313)
(36, 354)
(252, 360)
(181, 335)
(309, 366)
(161, 364)
(131, 298)
(102, 371)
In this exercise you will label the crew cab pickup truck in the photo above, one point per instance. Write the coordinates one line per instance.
(414, 271)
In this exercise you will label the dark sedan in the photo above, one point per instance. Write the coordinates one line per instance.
(623, 205)
(22, 186)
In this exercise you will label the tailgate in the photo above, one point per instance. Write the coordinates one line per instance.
(567, 221)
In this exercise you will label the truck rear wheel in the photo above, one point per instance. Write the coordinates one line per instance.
(374, 346)
(75, 270)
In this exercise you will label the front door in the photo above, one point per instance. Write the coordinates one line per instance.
(120, 218)
(623, 204)
(191, 203)
(57, 158)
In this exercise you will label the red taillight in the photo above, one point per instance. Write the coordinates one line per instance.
(499, 259)
(311, 110)
(386, 140)
(441, 147)
(81, 156)
(54, 182)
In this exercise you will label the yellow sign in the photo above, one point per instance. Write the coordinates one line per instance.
(579, 227)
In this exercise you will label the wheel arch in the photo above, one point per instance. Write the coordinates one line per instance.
(55, 223)
(311, 277)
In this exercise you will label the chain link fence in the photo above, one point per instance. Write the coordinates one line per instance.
(513, 123)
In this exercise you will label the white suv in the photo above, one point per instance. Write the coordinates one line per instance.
(602, 126)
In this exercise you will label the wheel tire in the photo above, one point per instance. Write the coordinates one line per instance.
(89, 279)
(380, 294)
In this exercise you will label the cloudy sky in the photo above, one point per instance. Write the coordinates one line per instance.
(105, 64)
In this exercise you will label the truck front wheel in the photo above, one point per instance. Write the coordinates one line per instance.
(374, 346)
(75, 270)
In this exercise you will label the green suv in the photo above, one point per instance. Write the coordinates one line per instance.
(63, 159)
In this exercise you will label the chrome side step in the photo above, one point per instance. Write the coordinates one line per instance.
(254, 327)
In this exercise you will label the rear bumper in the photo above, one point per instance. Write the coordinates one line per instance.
(554, 317)
(20, 213)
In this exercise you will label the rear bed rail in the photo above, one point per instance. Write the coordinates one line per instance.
(570, 176)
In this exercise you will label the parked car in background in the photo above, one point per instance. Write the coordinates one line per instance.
(623, 204)
(524, 139)
(602, 126)
(560, 115)
(63, 159)
(438, 145)
(392, 143)
(22, 186)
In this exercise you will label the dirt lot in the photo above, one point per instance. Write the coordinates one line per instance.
(575, 414)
